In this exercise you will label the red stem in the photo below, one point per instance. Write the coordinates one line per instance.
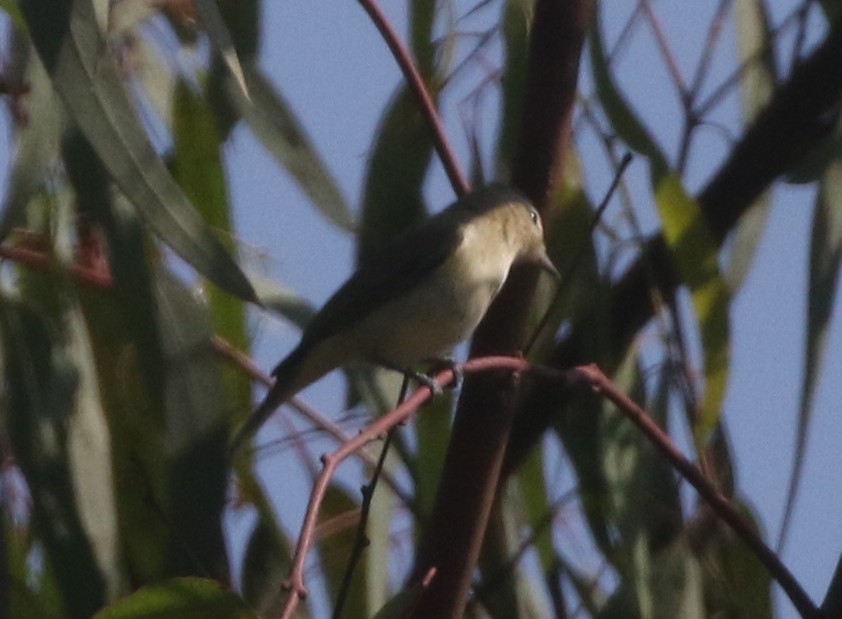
(422, 95)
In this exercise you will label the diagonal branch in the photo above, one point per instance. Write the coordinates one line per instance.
(422, 96)
(295, 581)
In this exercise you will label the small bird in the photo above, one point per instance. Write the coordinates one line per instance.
(417, 297)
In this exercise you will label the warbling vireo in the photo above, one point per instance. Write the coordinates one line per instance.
(418, 297)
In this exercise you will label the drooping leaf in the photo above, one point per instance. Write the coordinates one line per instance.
(73, 50)
(283, 301)
(197, 433)
(378, 555)
(392, 198)
(825, 257)
(338, 521)
(37, 141)
(180, 598)
(137, 421)
(432, 433)
(696, 256)
(129, 261)
(220, 38)
(41, 394)
(754, 44)
(517, 18)
(736, 583)
(273, 122)
(622, 117)
(198, 168)
(266, 563)
(89, 450)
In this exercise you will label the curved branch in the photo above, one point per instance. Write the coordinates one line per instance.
(295, 580)
(592, 378)
(422, 95)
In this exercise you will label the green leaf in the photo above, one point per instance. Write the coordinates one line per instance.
(385, 507)
(745, 240)
(283, 301)
(695, 252)
(129, 260)
(90, 458)
(392, 197)
(266, 563)
(195, 395)
(137, 419)
(221, 40)
(517, 18)
(74, 52)
(736, 583)
(36, 144)
(273, 122)
(825, 257)
(41, 389)
(338, 521)
(196, 435)
(402, 603)
(623, 119)
(180, 598)
(198, 168)
(757, 53)
(432, 433)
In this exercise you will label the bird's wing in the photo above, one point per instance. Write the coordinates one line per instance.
(388, 275)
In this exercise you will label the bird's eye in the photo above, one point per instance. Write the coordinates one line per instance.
(533, 215)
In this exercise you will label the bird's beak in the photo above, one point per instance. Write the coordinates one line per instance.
(543, 261)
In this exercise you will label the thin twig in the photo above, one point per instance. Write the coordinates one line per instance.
(720, 91)
(574, 264)
(666, 52)
(422, 95)
(225, 349)
(40, 260)
(361, 540)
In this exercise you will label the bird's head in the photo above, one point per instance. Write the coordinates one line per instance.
(519, 223)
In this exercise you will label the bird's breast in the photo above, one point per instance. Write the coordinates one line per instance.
(441, 311)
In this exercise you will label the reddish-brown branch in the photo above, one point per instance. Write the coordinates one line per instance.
(592, 377)
(40, 260)
(422, 96)
(295, 581)
(224, 348)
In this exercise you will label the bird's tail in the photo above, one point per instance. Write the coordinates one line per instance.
(286, 378)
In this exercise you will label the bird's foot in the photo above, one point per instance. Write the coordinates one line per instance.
(448, 363)
(428, 381)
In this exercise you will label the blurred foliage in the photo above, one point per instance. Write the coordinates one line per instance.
(118, 395)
